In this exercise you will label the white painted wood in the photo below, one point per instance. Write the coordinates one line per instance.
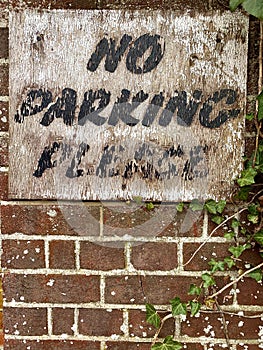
(50, 50)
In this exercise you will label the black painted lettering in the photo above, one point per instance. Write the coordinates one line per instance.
(106, 159)
(108, 49)
(122, 108)
(204, 116)
(185, 109)
(89, 112)
(45, 161)
(138, 50)
(74, 170)
(35, 102)
(64, 108)
(153, 109)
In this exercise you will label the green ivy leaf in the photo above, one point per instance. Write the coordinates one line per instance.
(216, 265)
(260, 97)
(229, 235)
(237, 251)
(194, 290)
(257, 275)
(217, 219)
(243, 193)
(247, 177)
(252, 218)
(210, 205)
(258, 237)
(180, 207)
(220, 206)
(229, 262)
(252, 208)
(195, 205)
(235, 224)
(168, 344)
(152, 316)
(250, 117)
(178, 308)
(233, 4)
(195, 307)
(149, 206)
(255, 8)
(208, 280)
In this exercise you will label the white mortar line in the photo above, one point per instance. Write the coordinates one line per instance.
(202, 340)
(101, 221)
(205, 225)
(4, 169)
(77, 255)
(113, 273)
(102, 289)
(177, 323)
(49, 321)
(4, 133)
(127, 256)
(4, 98)
(180, 257)
(22, 236)
(3, 23)
(258, 310)
(103, 345)
(46, 243)
(76, 322)
(125, 325)
(4, 61)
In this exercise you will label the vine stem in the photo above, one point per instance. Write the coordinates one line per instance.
(161, 326)
(235, 281)
(211, 234)
(260, 71)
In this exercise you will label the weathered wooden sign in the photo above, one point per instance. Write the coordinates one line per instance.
(116, 104)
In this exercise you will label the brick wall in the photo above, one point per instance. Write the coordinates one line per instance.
(71, 281)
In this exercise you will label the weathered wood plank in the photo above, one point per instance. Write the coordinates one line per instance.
(116, 104)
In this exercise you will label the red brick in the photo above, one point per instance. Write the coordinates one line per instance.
(4, 80)
(63, 321)
(100, 256)
(222, 230)
(22, 321)
(4, 116)
(51, 220)
(55, 4)
(3, 149)
(196, 346)
(185, 224)
(61, 255)
(3, 187)
(128, 346)
(138, 327)
(3, 42)
(163, 220)
(140, 289)
(250, 292)
(155, 256)
(132, 218)
(51, 288)
(247, 346)
(251, 256)
(217, 251)
(210, 325)
(98, 322)
(227, 296)
(199, 5)
(23, 254)
(12, 344)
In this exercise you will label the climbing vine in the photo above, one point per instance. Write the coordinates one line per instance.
(243, 229)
